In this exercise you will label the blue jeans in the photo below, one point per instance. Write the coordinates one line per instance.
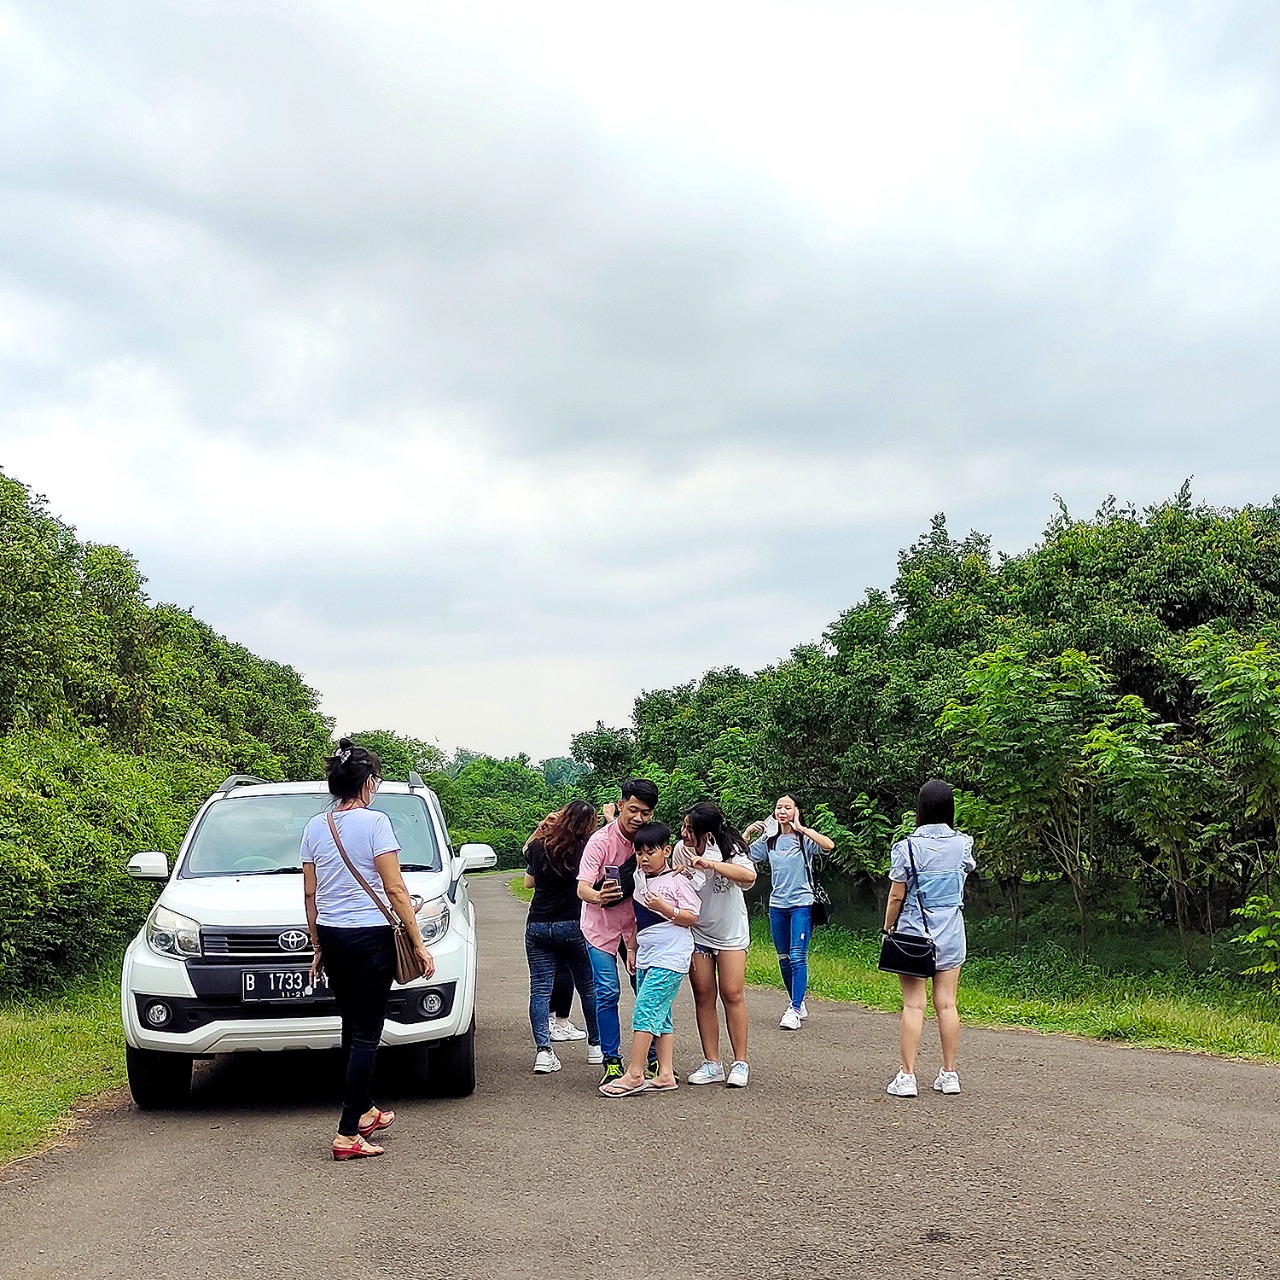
(604, 966)
(546, 943)
(791, 927)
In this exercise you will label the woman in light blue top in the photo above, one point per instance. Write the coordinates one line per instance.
(789, 849)
(942, 859)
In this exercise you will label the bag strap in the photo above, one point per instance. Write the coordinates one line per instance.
(808, 864)
(392, 919)
(915, 874)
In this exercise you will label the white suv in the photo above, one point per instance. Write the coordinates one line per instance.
(222, 963)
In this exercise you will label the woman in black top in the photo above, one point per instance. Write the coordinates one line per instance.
(552, 931)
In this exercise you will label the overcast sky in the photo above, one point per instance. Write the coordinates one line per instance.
(491, 363)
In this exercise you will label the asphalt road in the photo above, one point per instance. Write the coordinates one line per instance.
(1061, 1158)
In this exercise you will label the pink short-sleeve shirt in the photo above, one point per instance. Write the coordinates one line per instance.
(606, 927)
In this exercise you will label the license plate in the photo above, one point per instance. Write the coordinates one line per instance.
(282, 984)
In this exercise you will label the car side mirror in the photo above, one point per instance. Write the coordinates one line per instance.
(476, 857)
(148, 866)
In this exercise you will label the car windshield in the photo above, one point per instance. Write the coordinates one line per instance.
(262, 835)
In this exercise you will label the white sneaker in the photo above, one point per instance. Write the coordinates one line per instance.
(739, 1073)
(790, 1021)
(595, 1055)
(708, 1073)
(546, 1062)
(947, 1082)
(566, 1030)
(803, 1011)
(903, 1086)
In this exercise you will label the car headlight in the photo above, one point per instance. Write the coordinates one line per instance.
(169, 934)
(433, 919)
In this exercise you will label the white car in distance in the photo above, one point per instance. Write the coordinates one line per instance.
(222, 963)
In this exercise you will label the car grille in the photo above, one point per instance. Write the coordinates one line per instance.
(234, 945)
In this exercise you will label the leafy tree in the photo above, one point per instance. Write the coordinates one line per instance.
(400, 755)
(1163, 789)
(608, 756)
(1239, 687)
(1021, 731)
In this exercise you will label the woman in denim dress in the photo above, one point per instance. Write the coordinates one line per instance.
(943, 859)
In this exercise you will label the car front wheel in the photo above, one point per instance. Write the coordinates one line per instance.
(452, 1067)
(158, 1080)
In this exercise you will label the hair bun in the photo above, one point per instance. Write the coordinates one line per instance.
(345, 744)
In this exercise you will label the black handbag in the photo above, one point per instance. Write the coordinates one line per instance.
(821, 909)
(909, 954)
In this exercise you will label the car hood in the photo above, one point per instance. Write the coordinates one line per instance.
(264, 900)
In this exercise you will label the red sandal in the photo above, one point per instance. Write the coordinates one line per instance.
(357, 1150)
(383, 1120)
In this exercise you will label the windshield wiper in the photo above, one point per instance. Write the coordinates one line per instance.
(275, 871)
(417, 866)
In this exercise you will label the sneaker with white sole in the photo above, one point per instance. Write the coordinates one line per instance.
(595, 1055)
(903, 1086)
(947, 1082)
(803, 1011)
(708, 1073)
(546, 1062)
(738, 1076)
(563, 1029)
(790, 1021)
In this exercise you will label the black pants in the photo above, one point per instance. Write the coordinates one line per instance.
(562, 990)
(361, 964)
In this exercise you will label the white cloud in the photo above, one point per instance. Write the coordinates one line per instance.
(561, 351)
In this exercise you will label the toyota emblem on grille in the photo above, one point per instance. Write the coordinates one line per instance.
(293, 940)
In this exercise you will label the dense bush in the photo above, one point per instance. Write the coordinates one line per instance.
(117, 718)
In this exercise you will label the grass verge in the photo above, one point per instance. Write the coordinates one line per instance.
(53, 1053)
(1046, 988)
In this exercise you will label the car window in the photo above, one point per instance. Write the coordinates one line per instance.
(262, 835)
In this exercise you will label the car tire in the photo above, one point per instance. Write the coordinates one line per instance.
(157, 1080)
(452, 1070)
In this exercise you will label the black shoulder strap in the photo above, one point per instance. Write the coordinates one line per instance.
(915, 875)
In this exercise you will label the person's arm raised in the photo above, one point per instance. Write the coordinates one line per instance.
(825, 843)
(742, 876)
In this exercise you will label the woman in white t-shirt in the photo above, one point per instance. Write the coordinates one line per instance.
(353, 940)
(710, 846)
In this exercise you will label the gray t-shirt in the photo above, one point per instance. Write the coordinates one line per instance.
(340, 900)
(789, 866)
(723, 925)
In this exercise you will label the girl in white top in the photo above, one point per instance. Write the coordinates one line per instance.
(709, 848)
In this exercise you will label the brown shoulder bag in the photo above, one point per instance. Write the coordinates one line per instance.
(409, 966)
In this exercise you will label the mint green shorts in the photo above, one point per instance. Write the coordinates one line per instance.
(655, 994)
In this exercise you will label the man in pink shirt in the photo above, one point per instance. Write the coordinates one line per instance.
(606, 876)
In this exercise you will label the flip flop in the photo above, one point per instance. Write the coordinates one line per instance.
(652, 1086)
(383, 1120)
(611, 1090)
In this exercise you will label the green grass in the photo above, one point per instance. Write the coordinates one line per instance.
(54, 1052)
(1047, 988)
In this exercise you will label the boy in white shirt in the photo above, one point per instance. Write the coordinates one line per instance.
(667, 907)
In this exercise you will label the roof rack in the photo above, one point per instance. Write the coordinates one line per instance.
(415, 780)
(241, 780)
